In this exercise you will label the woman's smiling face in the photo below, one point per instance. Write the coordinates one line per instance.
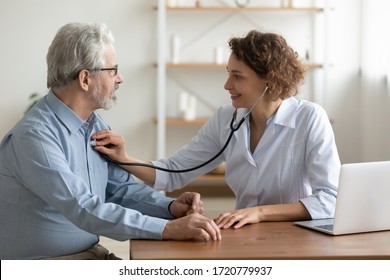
(243, 84)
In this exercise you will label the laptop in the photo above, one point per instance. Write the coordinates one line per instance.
(363, 200)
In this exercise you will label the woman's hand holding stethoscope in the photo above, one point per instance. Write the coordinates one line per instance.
(109, 144)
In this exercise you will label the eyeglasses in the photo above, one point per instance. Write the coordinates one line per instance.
(115, 69)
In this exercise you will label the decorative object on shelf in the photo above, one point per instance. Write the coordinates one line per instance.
(197, 3)
(183, 102)
(187, 106)
(241, 3)
(175, 49)
(219, 55)
(190, 113)
(286, 3)
(171, 3)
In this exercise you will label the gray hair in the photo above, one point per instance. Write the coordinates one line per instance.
(75, 47)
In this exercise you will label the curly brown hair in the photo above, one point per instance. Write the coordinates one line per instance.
(272, 59)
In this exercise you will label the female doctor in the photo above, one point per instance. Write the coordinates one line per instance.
(282, 164)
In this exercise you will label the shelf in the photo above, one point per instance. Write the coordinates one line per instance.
(192, 65)
(180, 121)
(256, 9)
(209, 178)
(313, 65)
(207, 185)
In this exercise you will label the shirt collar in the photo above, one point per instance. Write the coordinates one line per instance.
(67, 116)
(285, 115)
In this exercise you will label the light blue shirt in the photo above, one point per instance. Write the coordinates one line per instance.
(57, 194)
(295, 160)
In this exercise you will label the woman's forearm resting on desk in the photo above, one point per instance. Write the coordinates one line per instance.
(265, 213)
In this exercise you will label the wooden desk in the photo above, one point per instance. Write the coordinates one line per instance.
(273, 240)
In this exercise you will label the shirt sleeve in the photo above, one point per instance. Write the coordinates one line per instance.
(323, 165)
(44, 170)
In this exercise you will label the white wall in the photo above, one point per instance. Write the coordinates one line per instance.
(27, 28)
(343, 100)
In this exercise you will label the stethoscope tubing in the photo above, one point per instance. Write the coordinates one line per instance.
(233, 128)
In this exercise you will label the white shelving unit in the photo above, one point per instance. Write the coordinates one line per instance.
(317, 66)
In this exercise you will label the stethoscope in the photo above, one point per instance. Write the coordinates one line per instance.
(233, 128)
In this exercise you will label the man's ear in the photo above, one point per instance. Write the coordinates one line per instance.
(84, 79)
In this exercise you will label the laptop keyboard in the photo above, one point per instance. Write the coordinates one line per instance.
(326, 227)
